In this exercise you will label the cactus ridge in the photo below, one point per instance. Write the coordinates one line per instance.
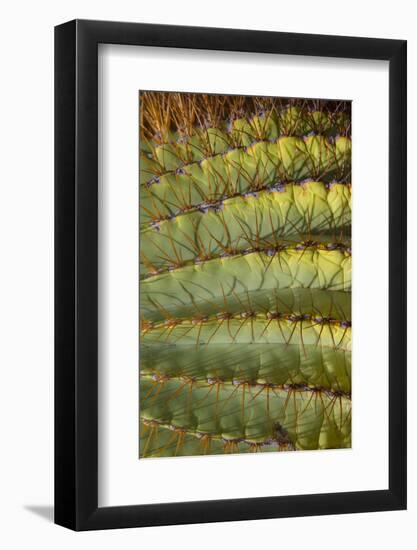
(180, 151)
(286, 153)
(238, 173)
(159, 378)
(200, 142)
(254, 364)
(291, 301)
(238, 412)
(251, 385)
(161, 440)
(215, 206)
(213, 120)
(257, 271)
(339, 206)
(249, 328)
(245, 274)
(260, 221)
(171, 263)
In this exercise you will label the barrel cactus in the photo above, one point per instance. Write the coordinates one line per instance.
(245, 274)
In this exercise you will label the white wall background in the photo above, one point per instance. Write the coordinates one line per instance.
(26, 287)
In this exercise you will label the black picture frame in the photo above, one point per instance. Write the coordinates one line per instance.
(76, 271)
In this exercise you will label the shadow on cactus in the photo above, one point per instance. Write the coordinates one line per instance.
(245, 274)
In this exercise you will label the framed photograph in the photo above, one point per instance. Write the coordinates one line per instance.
(230, 245)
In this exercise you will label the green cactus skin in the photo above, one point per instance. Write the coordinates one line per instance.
(245, 275)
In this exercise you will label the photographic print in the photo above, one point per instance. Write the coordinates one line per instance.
(245, 274)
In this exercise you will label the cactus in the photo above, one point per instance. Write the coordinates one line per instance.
(245, 274)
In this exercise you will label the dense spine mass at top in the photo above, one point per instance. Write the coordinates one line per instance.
(245, 274)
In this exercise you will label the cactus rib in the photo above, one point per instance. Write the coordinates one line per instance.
(253, 364)
(236, 413)
(261, 165)
(313, 269)
(262, 219)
